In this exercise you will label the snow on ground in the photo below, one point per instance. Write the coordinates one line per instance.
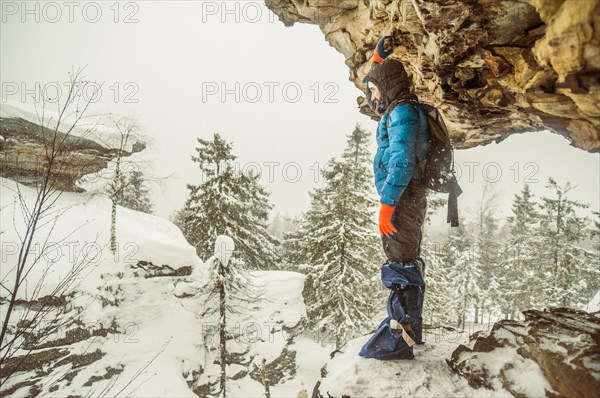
(266, 331)
(161, 340)
(285, 288)
(76, 232)
(428, 375)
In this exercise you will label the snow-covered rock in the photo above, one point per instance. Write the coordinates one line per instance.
(88, 148)
(553, 352)
(594, 304)
(97, 128)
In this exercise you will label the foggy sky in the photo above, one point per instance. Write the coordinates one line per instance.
(188, 69)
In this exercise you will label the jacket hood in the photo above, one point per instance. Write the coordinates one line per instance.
(392, 80)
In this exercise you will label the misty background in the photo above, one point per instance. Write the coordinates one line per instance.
(188, 69)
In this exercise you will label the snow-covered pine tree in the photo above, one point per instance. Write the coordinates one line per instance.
(464, 263)
(290, 252)
(293, 251)
(229, 291)
(437, 309)
(595, 233)
(520, 269)
(135, 194)
(488, 250)
(337, 238)
(275, 227)
(566, 263)
(286, 228)
(228, 202)
(594, 255)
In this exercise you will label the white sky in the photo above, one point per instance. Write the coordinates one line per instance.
(172, 52)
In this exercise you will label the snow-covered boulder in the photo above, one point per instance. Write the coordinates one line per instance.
(553, 352)
(89, 147)
(594, 305)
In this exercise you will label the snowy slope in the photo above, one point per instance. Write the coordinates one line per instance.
(154, 342)
(163, 343)
(77, 227)
(285, 307)
(268, 331)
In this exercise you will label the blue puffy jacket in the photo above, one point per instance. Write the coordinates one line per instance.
(401, 143)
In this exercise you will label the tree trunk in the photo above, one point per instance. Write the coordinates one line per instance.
(222, 324)
(265, 378)
(113, 225)
(114, 198)
(462, 315)
(555, 275)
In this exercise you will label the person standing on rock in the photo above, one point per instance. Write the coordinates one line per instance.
(402, 136)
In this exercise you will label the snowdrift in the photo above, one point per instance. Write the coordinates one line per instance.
(76, 232)
(124, 331)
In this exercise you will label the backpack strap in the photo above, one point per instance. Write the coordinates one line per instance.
(452, 216)
(454, 189)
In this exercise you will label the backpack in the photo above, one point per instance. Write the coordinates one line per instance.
(438, 166)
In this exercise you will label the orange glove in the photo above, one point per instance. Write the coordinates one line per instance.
(385, 220)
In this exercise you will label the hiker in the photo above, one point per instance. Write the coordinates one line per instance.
(401, 143)
(402, 136)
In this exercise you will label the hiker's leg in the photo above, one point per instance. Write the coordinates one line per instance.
(408, 219)
(405, 247)
(411, 301)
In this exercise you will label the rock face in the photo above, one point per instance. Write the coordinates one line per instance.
(562, 344)
(24, 154)
(494, 68)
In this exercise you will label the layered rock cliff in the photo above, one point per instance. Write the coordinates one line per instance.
(560, 343)
(494, 68)
(25, 148)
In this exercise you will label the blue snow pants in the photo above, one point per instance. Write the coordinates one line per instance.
(402, 327)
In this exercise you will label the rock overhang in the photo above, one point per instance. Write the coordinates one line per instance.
(494, 68)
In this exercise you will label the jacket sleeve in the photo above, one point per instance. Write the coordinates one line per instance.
(402, 130)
